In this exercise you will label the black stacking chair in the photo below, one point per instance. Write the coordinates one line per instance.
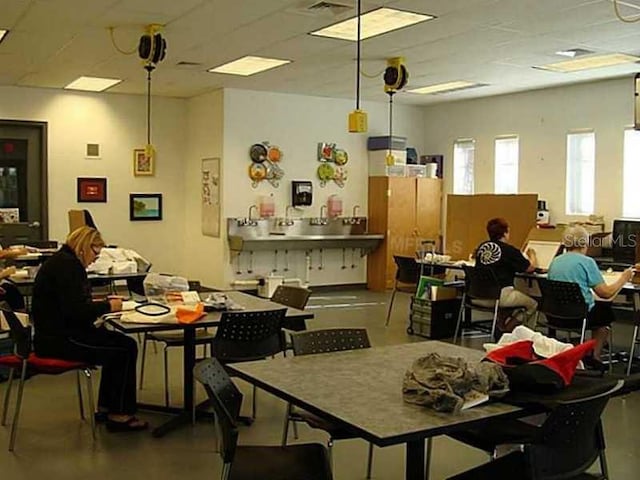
(325, 341)
(565, 309)
(563, 305)
(242, 462)
(479, 284)
(24, 360)
(568, 442)
(294, 297)
(407, 278)
(247, 336)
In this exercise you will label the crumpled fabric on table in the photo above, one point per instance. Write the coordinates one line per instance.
(442, 383)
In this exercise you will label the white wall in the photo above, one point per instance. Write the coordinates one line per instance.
(296, 124)
(542, 119)
(118, 124)
(204, 256)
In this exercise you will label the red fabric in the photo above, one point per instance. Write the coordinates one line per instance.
(564, 364)
(37, 364)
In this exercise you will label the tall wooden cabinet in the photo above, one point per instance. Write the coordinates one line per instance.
(407, 210)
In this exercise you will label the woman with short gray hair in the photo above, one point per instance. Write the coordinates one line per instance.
(574, 266)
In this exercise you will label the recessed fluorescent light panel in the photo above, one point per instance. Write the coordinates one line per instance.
(3, 33)
(92, 84)
(373, 23)
(445, 87)
(587, 63)
(249, 65)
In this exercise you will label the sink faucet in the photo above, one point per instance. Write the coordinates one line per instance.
(251, 209)
(355, 210)
(287, 210)
(325, 211)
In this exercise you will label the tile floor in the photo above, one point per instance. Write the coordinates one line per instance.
(53, 444)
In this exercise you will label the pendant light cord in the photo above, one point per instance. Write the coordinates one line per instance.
(358, 60)
(149, 68)
(390, 117)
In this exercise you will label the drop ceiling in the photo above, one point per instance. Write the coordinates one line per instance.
(492, 42)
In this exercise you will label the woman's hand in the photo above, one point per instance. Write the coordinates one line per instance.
(115, 304)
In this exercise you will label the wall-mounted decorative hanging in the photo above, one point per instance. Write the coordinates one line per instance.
(211, 197)
(265, 164)
(91, 189)
(145, 206)
(332, 164)
(143, 162)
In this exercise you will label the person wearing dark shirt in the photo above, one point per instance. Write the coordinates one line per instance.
(505, 261)
(64, 314)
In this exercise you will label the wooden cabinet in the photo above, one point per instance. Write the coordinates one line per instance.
(407, 210)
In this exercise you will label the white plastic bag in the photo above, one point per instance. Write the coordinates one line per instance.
(156, 286)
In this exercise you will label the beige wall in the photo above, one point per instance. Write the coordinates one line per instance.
(118, 124)
(542, 119)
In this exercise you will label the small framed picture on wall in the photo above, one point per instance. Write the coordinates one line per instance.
(91, 189)
(145, 206)
(143, 164)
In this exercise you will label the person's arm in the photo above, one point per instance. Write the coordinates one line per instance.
(532, 256)
(75, 298)
(605, 291)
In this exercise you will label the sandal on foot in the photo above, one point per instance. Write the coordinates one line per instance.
(100, 417)
(132, 425)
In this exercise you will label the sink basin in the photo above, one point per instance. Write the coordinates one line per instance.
(301, 234)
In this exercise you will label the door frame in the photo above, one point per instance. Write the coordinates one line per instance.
(42, 127)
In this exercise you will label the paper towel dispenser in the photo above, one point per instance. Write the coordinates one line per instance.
(301, 193)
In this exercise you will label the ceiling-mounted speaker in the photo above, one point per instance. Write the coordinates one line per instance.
(396, 75)
(152, 48)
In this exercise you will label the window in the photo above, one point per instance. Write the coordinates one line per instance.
(463, 154)
(581, 171)
(631, 173)
(506, 166)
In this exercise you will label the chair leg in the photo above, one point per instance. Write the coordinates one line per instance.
(427, 460)
(285, 428)
(7, 396)
(583, 332)
(226, 470)
(79, 389)
(143, 358)
(610, 349)
(253, 404)
(459, 323)
(92, 405)
(602, 456)
(495, 321)
(16, 415)
(330, 452)
(634, 340)
(369, 461)
(166, 376)
(393, 296)
(295, 430)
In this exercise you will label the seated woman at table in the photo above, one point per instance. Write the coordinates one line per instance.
(64, 315)
(505, 261)
(574, 266)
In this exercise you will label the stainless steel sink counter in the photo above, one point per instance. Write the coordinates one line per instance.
(300, 234)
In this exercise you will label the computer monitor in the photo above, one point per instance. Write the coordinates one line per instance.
(626, 234)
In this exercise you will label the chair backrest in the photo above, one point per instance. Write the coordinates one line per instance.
(245, 336)
(20, 334)
(294, 297)
(226, 400)
(571, 438)
(562, 300)
(408, 270)
(481, 283)
(329, 340)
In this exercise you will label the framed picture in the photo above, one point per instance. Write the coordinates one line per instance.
(142, 163)
(92, 189)
(145, 206)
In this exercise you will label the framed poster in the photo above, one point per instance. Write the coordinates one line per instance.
(91, 189)
(145, 206)
(210, 179)
(143, 164)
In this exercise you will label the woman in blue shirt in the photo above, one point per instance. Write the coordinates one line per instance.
(574, 266)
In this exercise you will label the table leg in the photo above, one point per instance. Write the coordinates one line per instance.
(189, 361)
(414, 460)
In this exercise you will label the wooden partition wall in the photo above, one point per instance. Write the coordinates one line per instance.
(467, 217)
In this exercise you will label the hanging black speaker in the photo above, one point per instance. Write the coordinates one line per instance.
(396, 75)
(152, 48)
